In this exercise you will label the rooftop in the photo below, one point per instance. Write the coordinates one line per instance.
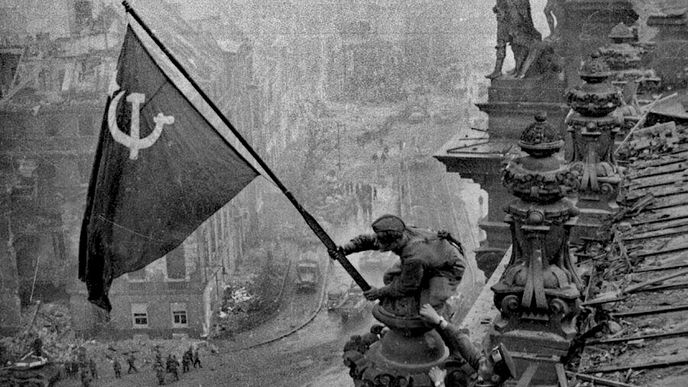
(638, 294)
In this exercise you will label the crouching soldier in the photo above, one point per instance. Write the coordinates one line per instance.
(431, 263)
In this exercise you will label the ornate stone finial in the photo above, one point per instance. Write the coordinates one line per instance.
(595, 70)
(540, 138)
(593, 129)
(596, 97)
(621, 32)
(539, 177)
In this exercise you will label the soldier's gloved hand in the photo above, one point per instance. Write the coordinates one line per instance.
(430, 315)
(372, 294)
(333, 253)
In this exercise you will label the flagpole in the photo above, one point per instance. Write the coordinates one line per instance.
(310, 220)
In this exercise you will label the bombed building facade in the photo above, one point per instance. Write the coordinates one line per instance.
(54, 86)
(51, 110)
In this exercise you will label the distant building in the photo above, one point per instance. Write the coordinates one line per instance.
(52, 99)
(51, 104)
(175, 295)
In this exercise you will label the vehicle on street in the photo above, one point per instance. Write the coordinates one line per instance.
(307, 273)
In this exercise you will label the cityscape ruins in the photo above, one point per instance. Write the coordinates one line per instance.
(546, 138)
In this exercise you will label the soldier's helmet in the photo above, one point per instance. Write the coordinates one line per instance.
(388, 227)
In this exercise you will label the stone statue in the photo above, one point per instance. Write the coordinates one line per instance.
(515, 27)
(554, 10)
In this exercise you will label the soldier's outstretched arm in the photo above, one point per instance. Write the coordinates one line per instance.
(363, 242)
(456, 340)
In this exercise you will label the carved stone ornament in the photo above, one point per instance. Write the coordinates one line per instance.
(539, 177)
(593, 130)
(596, 97)
(540, 285)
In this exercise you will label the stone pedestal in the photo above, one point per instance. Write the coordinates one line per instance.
(405, 354)
(594, 126)
(512, 103)
(483, 163)
(538, 294)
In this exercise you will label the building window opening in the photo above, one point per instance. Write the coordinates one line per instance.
(179, 319)
(140, 315)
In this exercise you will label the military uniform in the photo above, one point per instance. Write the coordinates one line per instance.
(132, 367)
(427, 261)
(187, 358)
(173, 367)
(196, 360)
(86, 378)
(93, 368)
(160, 372)
(117, 368)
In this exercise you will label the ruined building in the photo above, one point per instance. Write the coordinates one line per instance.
(51, 106)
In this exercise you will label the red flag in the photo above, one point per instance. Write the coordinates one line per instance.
(162, 167)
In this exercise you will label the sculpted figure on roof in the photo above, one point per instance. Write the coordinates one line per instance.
(514, 28)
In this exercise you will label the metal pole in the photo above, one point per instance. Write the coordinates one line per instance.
(35, 274)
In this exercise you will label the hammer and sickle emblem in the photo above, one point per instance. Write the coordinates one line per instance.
(132, 141)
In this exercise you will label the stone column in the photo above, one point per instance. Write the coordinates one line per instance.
(538, 295)
(593, 127)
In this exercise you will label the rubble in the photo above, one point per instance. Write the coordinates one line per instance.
(643, 340)
(51, 324)
(251, 301)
